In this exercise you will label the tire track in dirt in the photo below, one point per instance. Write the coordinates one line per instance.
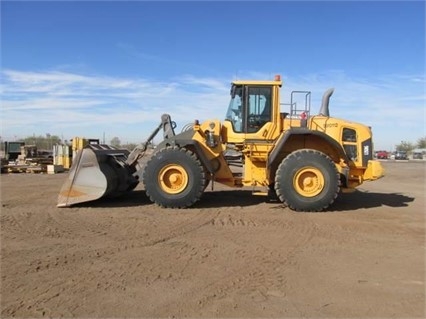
(105, 258)
(183, 228)
(376, 225)
(261, 272)
(10, 224)
(73, 224)
(233, 221)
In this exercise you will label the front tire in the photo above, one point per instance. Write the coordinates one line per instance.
(307, 180)
(174, 178)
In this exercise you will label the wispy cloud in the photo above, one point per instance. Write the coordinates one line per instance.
(69, 104)
(73, 104)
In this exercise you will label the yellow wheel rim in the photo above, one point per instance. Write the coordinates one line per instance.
(173, 179)
(308, 181)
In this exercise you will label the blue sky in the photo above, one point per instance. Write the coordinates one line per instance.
(74, 68)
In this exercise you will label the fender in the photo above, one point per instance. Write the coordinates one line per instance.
(184, 139)
(275, 153)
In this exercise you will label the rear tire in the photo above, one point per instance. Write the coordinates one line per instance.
(174, 178)
(307, 180)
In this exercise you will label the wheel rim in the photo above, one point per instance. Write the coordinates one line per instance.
(308, 181)
(173, 179)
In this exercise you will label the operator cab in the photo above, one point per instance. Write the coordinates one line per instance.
(250, 107)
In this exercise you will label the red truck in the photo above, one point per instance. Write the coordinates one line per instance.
(382, 155)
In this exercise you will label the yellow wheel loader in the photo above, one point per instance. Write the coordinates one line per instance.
(305, 159)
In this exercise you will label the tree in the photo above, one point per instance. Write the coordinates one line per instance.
(421, 142)
(42, 142)
(115, 142)
(405, 146)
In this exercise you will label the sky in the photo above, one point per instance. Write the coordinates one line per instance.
(105, 69)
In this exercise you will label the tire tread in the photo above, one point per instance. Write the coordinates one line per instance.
(196, 193)
(283, 166)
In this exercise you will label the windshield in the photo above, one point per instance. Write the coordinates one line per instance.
(234, 113)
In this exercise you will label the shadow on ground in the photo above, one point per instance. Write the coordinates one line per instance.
(131, 199)
(243, 198)
(362, 200)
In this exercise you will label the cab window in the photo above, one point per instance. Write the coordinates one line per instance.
(259, 110)
(349, 143)
(235, 110)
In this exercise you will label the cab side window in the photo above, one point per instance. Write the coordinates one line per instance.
(259, 109)
(349, 135)
(349, 143)
(235, 111)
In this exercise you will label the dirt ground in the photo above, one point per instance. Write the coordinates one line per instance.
(232, 255)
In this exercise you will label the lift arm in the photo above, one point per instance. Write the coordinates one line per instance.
(139, 151)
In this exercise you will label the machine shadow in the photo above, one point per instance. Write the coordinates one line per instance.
(131, 199)
(363, 199)
(232, 198)
(215, 199)
(244, 198)
(345, 202)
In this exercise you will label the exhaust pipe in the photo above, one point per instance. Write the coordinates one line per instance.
(324, 111)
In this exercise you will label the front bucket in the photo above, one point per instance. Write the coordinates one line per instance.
(97, 171)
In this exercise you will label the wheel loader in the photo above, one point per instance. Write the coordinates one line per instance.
(303, 159)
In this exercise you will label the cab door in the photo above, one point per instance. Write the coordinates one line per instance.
(255, 130)
(257, 103)
(251, 114)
